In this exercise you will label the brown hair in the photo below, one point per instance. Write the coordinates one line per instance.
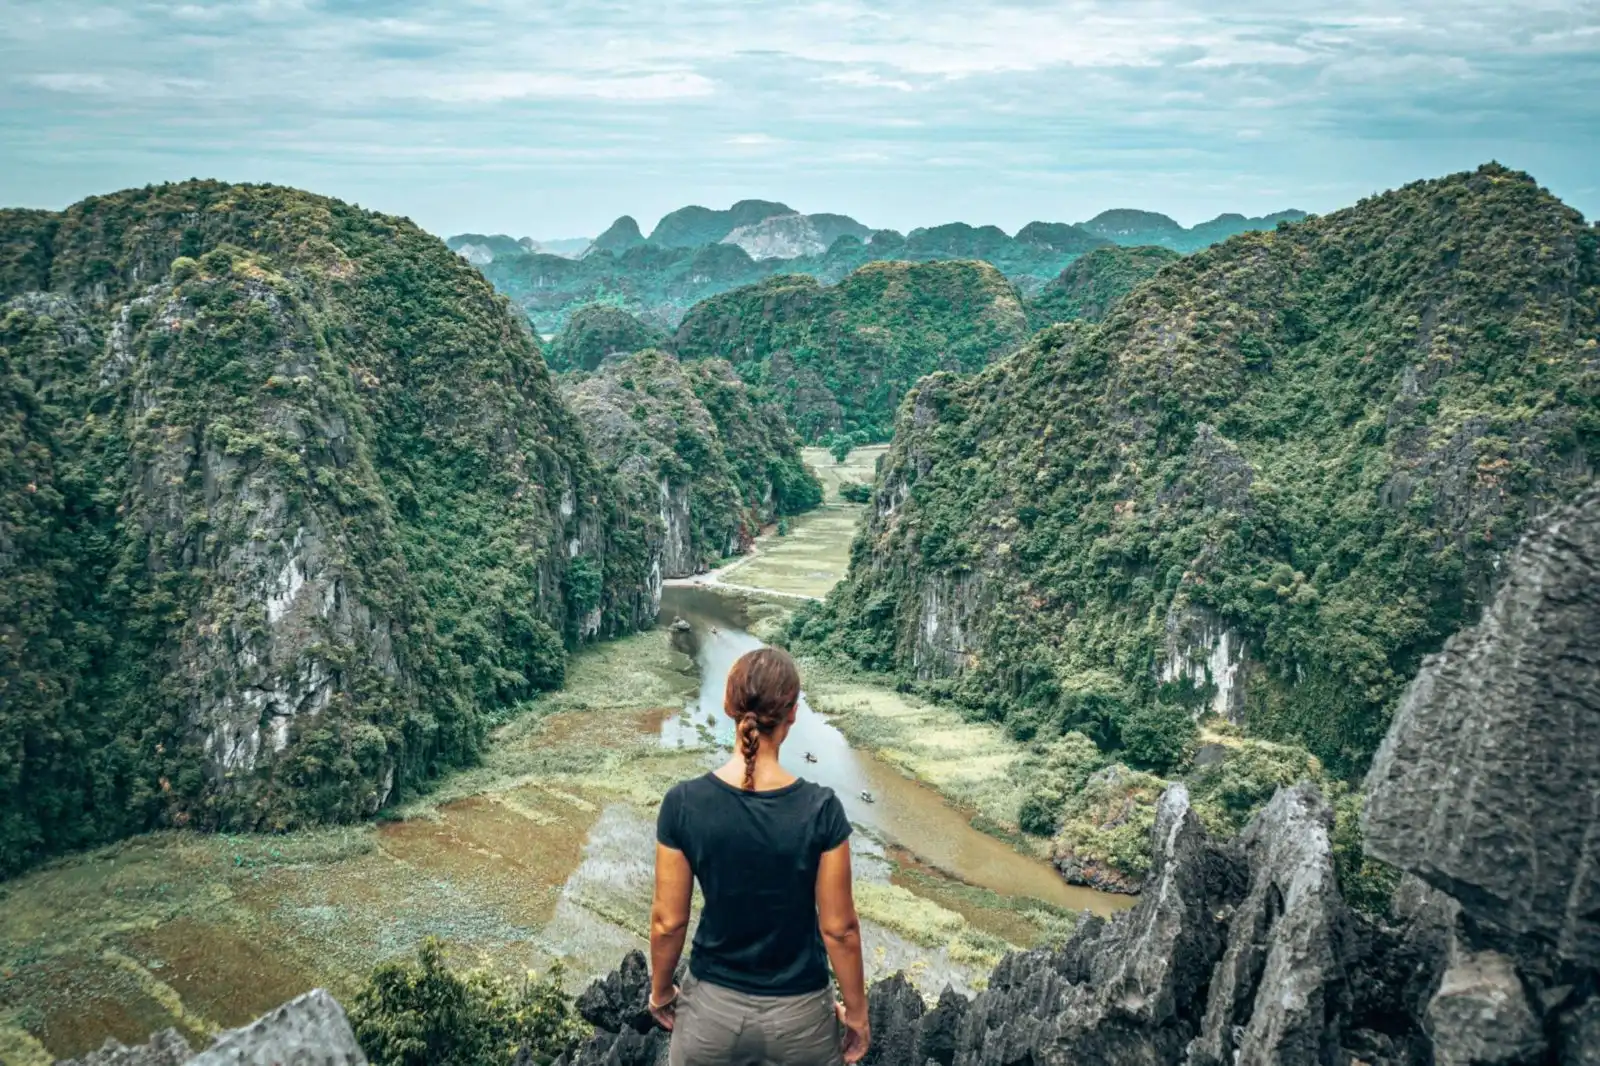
(762, 689)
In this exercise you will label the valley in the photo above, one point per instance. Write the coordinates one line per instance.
(543, 851)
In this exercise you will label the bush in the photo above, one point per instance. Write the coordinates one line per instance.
(1061, 773)
(1157, 736)
(855, 492)
(1228, 794)
(422, 1013)
(1366, 884)
(841, 448)
(783, 527)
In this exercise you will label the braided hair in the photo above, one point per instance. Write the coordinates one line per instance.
(763, 686)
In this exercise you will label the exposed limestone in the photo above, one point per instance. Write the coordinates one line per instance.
(310, 1030)
(1485, 786)
(1480, 1016)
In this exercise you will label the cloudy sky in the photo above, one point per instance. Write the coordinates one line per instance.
(551, 117)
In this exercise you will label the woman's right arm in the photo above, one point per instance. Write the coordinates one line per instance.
(841, 935)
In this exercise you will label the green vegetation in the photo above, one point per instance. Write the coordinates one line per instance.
(424, 1013)
(855, 492)
(1090, 287)
(596, 331)
(1317, 440)
(287, 509)
(840, 357)
(1129, 227)
(703, 464)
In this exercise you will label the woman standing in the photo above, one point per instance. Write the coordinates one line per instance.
(772, 854)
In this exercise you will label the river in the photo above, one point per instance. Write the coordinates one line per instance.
(903, 813)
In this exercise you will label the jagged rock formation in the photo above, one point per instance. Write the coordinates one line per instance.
(482, 249)
(840, 357)
(598, 331)
(310, 1030)
(1090, 287)
(703, 464)
(289, 505)
(1270, 481)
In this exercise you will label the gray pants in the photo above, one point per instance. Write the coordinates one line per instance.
(717, 1026)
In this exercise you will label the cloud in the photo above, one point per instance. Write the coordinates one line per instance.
(571, 112)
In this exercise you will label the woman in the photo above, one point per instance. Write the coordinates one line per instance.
(772, 854)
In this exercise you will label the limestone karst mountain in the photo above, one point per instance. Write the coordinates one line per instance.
(1279, 473)
(840, 357)
(290, 510)
(704, 464)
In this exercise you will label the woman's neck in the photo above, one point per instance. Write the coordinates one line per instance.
(769, 775)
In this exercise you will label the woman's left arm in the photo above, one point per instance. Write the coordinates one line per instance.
(669, 925)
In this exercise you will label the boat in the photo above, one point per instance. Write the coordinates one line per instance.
(810, 757)
(867, 796)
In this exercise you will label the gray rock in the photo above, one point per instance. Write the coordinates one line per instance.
(309, 1030)
(1485, 786)
(1578, 1035)
(1274, 996)
(621, 999)
(895, 1011)
(166, 1048)
(1480, 1016)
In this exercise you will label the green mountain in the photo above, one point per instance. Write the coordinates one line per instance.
(596, 331)
(704, 463)
(1092, 284)
(619, 237)
(1278, 474)
(289, 513)
(1129, 227)
(840, 357)
(692, 227)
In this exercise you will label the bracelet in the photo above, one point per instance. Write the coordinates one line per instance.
(663, 1006)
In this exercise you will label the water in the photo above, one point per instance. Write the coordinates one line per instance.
(903, 813)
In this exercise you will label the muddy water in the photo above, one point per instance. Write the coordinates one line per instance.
(901, 811)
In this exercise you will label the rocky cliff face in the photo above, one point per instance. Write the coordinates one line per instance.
(596, 332)
(1270, 481)
(793, 236)
(303, 511)
(701, 484)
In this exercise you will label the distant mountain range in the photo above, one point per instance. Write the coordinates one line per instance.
(696, 252)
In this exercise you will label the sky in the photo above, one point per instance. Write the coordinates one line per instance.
(549, 118)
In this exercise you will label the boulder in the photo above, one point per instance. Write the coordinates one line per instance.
(1480, 1016)
(621, 999)
(1485, 786)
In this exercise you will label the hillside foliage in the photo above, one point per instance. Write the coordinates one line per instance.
(706, 463)
(1320, 439)
(290, 509)
(1090, 287)
(840, 357)
(596, 331)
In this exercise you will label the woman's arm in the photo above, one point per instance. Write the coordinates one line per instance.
(669, 924)
(841, 935)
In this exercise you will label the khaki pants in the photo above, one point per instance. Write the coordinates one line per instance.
(717, 1026)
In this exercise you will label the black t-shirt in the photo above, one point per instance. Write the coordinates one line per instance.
(755, 855)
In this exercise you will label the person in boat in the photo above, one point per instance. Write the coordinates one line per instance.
(810, 757)
(772, 854)
(867, 796)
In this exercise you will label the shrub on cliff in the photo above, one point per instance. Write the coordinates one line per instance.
(423, 1013)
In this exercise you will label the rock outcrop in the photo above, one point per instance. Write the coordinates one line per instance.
(311, 1030)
